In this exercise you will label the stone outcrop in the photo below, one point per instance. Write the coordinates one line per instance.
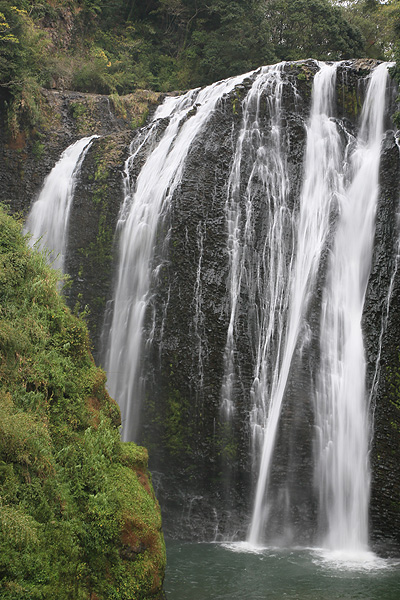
(66, 116)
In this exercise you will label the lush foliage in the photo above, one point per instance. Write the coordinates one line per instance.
(379, 23)
(22, 65)
(117, 46)
(312, 29)
(78, 517)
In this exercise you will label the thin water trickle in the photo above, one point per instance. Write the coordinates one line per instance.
(198, 318)
(47, 221)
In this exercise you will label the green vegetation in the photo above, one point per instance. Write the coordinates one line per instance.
(312, 29)
(176, 438)
(378, 21)
(118, 46)
(78, 516)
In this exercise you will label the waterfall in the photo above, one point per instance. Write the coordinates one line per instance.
(297, 261)
(341, 407)
(321, 179)
(47, 221)
(244, 247)
(340, 176)
(264, 271)
(146, 200)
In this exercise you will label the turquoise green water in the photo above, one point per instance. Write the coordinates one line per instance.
(217, 572)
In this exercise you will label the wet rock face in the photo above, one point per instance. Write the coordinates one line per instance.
(201, 464)
(93, 219)
(381, 324)
(206, 493)
(27, 158)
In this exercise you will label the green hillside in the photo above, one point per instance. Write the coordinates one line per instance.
(78, 515)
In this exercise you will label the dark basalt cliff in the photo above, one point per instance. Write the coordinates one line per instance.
(381, 326)
(201, 465)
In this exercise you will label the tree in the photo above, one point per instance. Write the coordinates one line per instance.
(377, 21)
(312, 28)
(232, 38)
(11, 53)
(22, 47)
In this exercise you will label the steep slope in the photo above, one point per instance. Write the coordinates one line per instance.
(78, 515)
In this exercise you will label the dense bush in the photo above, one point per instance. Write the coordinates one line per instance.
(78, 516)
(115, 46)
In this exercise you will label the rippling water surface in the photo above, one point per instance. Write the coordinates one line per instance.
(235, 571)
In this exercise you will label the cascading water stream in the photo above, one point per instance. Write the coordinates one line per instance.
(198, 319)
(48, 218)
(145, 201)
(264, 272)
(321, 180)
(341, 407)
(332, 178)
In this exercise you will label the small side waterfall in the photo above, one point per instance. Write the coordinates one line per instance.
(47, 221)
(145, 201)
